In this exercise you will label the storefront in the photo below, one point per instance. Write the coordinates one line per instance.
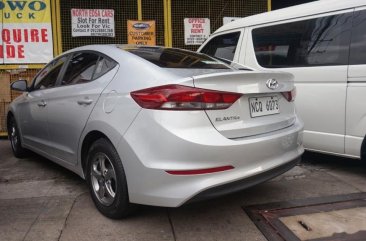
(33, 32)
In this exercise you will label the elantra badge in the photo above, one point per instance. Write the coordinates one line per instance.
(272, 84)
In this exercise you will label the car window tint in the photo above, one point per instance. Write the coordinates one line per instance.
(104, 65)
(314, 42)
(80, 68)
(177, 58)
(48, 76)
(222, 46)
(358, 43)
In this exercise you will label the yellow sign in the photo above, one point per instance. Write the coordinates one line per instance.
(141, 32)
(26, 32)
(26, 11)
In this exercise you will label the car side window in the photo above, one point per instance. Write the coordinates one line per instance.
(222, 46)
(314, 42)
(358, 43)
(80, 68)
(48, 76)
(104, 65)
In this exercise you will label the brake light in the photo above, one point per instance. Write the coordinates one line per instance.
(179, 97)
(290, 95)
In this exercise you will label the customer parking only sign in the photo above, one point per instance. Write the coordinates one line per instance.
(141, 32)
(26, 32)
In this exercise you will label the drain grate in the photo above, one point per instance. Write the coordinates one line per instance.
(332, 218)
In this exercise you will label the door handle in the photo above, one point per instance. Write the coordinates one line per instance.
(42, 103)
(85, 101)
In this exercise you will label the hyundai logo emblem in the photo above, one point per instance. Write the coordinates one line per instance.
(272, 84)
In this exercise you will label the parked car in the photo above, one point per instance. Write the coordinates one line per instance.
(156, 126)
(323, 45)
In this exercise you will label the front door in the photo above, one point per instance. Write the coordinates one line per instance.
(32, 112)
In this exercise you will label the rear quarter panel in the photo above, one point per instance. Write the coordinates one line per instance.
(115, 110)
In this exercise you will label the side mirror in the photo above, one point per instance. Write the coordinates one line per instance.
(19, 85)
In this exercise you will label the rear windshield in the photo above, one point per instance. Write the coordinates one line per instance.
(176, 58)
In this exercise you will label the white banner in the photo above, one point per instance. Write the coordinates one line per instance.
(196, 30)
(92, 22)
(26, 32)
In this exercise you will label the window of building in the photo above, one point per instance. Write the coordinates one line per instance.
(314, 42)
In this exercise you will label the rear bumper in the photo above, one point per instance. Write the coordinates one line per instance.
(244, 183)
(150, 147)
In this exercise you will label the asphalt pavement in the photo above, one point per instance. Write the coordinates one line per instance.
(40, 200)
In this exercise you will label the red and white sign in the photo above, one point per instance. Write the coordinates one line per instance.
(26, 32)
(196, 30)
(92, 22)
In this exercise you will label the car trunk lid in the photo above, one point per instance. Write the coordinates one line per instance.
(261, 109)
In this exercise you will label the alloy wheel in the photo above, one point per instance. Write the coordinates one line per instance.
(14, 139)
(103, 179)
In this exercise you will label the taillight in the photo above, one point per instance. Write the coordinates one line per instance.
(179, 97)
(290, 95)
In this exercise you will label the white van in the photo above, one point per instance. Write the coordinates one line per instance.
(323, 44)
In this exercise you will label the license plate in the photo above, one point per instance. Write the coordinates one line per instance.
(262, 106)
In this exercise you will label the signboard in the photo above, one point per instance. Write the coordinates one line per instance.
(196, 30)
(92, 22)
(141, 32)
(226, 20)
(26, 32)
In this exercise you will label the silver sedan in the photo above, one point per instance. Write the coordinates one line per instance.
(157, 126)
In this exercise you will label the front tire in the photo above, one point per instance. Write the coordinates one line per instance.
(107, 180)
(15, 140)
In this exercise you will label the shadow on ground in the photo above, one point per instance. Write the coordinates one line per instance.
(40, 200)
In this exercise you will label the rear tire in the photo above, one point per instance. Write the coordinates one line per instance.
(363, 150)
(107, 180)
(15, 139)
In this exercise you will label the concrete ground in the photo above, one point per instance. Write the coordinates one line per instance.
(42, 201)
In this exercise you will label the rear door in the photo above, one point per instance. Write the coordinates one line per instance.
(315, 50)
(73, 100)
(263, 107)
(356, 97)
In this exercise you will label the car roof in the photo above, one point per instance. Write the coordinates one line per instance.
(115, 51)
(302, 10)
(104, 48)
(121, 52)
